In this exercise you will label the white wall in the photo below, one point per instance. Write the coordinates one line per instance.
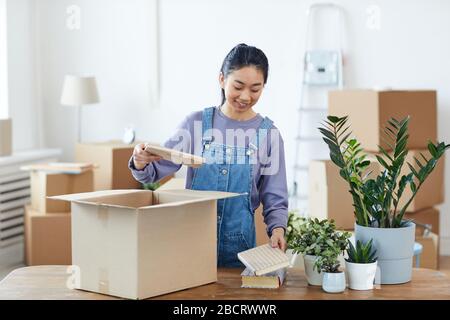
(23, 102)
(4, 110)
(410, 50)
(114, 44)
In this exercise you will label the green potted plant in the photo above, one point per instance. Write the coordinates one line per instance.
(361, 265)
(315, 240)
(376, 201)
(328, 263)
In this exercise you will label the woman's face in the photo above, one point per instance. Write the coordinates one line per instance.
(242, 87)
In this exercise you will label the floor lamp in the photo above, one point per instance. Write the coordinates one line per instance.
(79, 91)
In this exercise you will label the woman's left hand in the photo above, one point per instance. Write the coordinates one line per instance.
(277, 239)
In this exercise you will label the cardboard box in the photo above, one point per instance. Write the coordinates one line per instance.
(173, 184)
(369, 111)
(329, 197)
(5, 137)
(426, 216)
(260, 227)
(45, 184)
(140, 243)
(47, 238)
(430, 252)
(432, 191)
(112, 159)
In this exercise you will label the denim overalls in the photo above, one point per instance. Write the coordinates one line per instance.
(228, 168)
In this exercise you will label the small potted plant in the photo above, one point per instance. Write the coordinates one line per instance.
(361, 265)
(328, 263)
(314, 239)
(378, 211)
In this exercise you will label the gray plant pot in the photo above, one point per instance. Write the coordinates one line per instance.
(395, 249)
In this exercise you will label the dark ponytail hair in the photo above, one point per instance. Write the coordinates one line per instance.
(241, 56)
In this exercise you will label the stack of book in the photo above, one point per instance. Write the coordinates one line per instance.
(265, 267)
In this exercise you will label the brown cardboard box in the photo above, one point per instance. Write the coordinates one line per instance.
(329, 197)
(45, 184)
(432, 191)
(430, 252)
(112, 159)
(140, 243)
(426, 216)
(260, 226)
(369, 111)
(47, 238)
(5, 137)
(173, 184)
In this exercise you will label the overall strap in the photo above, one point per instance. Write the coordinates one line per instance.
(207, 124)
(261, 133)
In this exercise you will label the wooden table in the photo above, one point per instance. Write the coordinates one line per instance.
(49, 282)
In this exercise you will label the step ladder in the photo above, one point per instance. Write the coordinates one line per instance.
(322, 71)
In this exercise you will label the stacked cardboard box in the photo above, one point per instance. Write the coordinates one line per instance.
(430, 250)
(368, 112)
(47, 238)
(48, 221)
(112, 160)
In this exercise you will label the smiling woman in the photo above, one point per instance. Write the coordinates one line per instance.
(250, 161)
(242, 77)
(240, 93)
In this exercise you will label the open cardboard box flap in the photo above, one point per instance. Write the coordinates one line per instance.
(144, 199)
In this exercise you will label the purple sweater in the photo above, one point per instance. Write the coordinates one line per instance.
(269, 172)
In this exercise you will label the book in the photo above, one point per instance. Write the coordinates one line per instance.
(264, 259)
(61, 167)
(272, 280)
(175, 156)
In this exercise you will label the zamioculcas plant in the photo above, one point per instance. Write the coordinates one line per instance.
(363, 253)
(376, 201)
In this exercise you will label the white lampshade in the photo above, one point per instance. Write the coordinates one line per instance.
(78, 91)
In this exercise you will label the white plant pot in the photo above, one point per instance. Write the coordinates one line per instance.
(333, 282)
(360, 275)
(313, 276)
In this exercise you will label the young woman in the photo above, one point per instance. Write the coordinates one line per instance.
(244, 153)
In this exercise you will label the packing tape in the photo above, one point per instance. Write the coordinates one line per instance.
(103, 280)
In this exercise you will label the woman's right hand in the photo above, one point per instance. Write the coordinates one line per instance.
(141, 158)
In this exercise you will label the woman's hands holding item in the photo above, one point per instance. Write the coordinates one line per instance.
(277, 239)
(141, 158)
